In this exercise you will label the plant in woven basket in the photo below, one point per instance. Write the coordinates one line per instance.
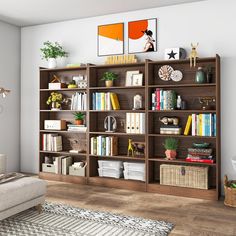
(171, 145)
(55, 99)
(79, 118)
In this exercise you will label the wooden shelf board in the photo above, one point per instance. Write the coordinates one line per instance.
(117, 87)
(61, 131)
(123, 157)
(63, 111)
(179, 161)
(116, 134)
(64, 153)
(117, 183)
(181, 85)
(63, 178)
(64, 69)
(208, 194)
(181, 136)
(63, 89)
(182, 111)
(122, 111)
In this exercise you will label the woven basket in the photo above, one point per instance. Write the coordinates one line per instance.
(184, 176)
(230, 193)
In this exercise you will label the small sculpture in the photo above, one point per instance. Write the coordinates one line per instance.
(110, 124)
(137, 102)
(206, 102)
(169, 120)
(130, 148)
(193, 55)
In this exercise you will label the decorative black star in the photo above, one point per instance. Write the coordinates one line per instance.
(172, 54)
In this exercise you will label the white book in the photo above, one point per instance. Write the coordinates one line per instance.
(142, 123)
(44, 142)
(57, 144)
(72, 101)
(99, 145)
(66, 163)
(92, 145)
(193, 124)
(128, 123)
(137, 123)
(107, 146)
(133, 123)
(109, 101)
(58, 164)
(203, 124)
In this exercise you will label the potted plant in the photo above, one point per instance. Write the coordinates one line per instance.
(171, 144)
(55, 99)
(51, 51)
(79, 118)
(109, 77)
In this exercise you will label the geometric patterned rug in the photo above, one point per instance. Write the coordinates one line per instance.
(63, 220)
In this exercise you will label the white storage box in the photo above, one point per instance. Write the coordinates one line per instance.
(134, 166)
(77, 171)
(134, 175)
(113, 173)
(50, 168)
(110, 164)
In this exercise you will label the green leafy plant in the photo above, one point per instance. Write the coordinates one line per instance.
(109, 76)
(56, 98)
(78, 115)
(52, 50)
(171, 144)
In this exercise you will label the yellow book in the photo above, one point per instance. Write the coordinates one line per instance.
(102, 101)
(188, 125)
(200, 124)
(114, 101)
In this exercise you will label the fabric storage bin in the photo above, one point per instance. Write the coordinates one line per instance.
(135, 166)
(77, 171)
(110, 164)
(50, 168)
(134, 175)
(103, 172)
(184, 176)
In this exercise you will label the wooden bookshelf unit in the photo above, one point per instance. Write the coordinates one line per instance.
(154, 153)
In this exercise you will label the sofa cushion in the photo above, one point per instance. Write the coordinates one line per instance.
(20, 190)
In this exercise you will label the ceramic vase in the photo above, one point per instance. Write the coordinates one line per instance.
(200, 77)
(54, 107)
(170, 154)
(109, 83)
(52, 63)
(78, 122)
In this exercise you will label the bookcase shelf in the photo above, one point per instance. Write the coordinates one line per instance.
(154, 150)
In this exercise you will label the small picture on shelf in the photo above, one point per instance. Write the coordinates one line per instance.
(80, 81)
(129, 77)
(137, 80)
(139, 148)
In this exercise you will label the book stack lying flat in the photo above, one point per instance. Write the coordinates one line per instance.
(113, 169)
(78, 128)
(104, 146)
(79, 101)
(52, 142)
(134, 171)
(164, 99)
(170, 129)
(105, 101)
(202, 155)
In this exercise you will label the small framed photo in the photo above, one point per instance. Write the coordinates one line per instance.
(129, 77)
(137, 80)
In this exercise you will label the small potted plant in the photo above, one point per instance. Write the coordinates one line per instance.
(79, 118)
(55, 99)
(109, 77)
(51, 51)
(171, 144)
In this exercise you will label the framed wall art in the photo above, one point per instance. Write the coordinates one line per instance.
(142, 36)
(111, 39)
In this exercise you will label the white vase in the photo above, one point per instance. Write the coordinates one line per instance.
(52, 63)
(3, 163)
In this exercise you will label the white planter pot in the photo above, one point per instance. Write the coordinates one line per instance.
(52, 63)
(3, 163)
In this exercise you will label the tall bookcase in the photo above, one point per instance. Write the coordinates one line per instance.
(153, 140)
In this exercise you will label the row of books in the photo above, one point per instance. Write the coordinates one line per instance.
(135, 123)
(62, 164)
(78, 128)
(52, 142)
(104, 146)
(201, 155)
(201, 125)
(105, 101)
(79, 101)
(163, 99)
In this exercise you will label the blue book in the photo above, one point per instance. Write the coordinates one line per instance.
(214, 134)
(94, 102)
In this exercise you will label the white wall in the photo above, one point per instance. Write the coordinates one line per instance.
(208, 22)
(10, 106)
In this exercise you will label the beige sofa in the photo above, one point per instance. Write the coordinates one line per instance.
(21, 194)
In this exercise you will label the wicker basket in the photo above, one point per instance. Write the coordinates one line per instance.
(184, 176)
(230, 193)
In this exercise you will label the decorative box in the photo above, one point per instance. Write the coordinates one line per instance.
(50, 168)
(54, 124)
(77, 171)
(56, 84)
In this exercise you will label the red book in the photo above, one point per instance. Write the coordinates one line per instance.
(158, 99)
(200, 160)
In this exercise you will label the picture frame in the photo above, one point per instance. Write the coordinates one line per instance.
(137, 79)
(110, 39)
(129, 77)
(142, 36)
(139, 148)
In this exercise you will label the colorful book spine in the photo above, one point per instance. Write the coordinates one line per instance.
(158, 99)
(114, 101)
(188, 125)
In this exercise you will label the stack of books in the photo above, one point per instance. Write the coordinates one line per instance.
(170, 129)
(164, 99)
(79, 101)
(104, 146)
(135, 123)
(52, 142)
(105, 101)
(201, 125)
(78, 128)
(202, 155)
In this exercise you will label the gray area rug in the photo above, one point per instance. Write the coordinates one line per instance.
(63, 220)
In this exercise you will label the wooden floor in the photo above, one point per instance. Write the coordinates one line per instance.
(191, 216)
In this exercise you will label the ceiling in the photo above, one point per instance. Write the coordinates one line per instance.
(34, 12)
